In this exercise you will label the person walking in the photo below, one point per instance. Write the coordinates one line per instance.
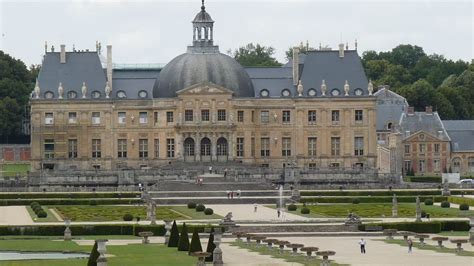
(238, 193)
(278, 213)
(255, 207)
(225, 173)
(210, 169)
(410, 245)
(362, 246)
(231, 194)
(228, 194)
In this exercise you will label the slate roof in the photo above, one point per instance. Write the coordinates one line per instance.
(461, 133)
(133, 81)
(79, 67)
(421, 121)
(390, 107)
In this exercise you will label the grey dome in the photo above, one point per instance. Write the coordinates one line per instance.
(192, 68)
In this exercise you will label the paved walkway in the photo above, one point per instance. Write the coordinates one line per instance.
(245, 212)
(15, 215)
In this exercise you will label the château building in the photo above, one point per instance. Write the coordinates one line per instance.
(315, 112)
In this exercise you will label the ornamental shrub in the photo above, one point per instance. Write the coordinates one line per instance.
(428, 202)
(183, 243)
(42, 214)
(210, 246)
(200, 208)
(355, 201)
(93, 256)
(195, 242)
(174, 236)
(464, 207)
(292, 207)
(305, 210)
(423, 214)
(128, 217)
(191, 205)
(93, 202)
(208, 211)
(445, 204)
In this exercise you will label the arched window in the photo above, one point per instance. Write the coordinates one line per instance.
(49, 95)
(456, 165)
(389, 125)
(470, 164)
(222, 146)
(205, 147)
(358, 92)
(189, 147)
(121, 94)
(285, 93)
(72, 95)
(335, 92)
(312, 92)
(264, 93)
(95, 94)
(142, 94)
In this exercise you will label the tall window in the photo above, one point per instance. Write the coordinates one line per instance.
(95, 118)
(240, 147)
(122, 116)
(188, 115)
(122, 148)
(421, 166)
(422, 148)
(143, 148)
(205, 115)
(252, 117)
(72, 148)
(96, 148)
(335, 116)
(359, 146)
(170, 148)
(407, 148)
(240, 116)
(312, 142)
(264, 116)
(335, 146)
(48, 118)
(143, 117)
(265, 147)
(169, 117)
(286, 147)
(157, 148)
(221, 115)
(359, 115)
(286, 116)
(72, 118)
(49, 148)
(407, 166)
(436, 147)
(252, 147)
(312, 116)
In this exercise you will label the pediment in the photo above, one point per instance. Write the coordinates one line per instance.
(422, 136)
(205, 88)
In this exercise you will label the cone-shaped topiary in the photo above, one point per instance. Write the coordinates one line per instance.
(183, 244)
(210, 245)
(195, 242)
(93, 256)
(174, 236)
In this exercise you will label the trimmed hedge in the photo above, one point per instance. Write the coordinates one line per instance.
(305, 210)
(108, 229)
(428, 202)
(208, 211)
(459, 200)
(355, 201)
(370, 199)
(425, 179)
(423, 227)
(464, 207)
(128, 217)
(71, 195)
(445, 204)
(200, 208)
(373, 193)
(192, 205)
(10, 202)
(292, 207)
(455, 226)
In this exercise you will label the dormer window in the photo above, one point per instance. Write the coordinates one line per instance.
(285, 93)
(312, 92)
(335, 92)
(121, 94)
(264, 93)
(142, 94)
(49, 95)
(358, 92)
(95, 94)
(72, 95)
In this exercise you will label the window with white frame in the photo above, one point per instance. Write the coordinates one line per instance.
(96, 148)
(48, 118)
(312, 142)
(265, 147)
(143, 148)
(240, 147)
(335, 146)
(95, 118)
(312, 116)
(286, 147)
(122, 148)
(143, 118)
(122, 117)
(72, 148)
(359, 146)
(170, 148)
(72, 117)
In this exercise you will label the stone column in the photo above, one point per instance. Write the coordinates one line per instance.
(230, 146)
(394, 206)
(213, 147)
(217, 254)
(197, 143)
(153, 213)
(418, 210)
(179, 147)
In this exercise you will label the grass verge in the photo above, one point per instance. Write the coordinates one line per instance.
(430, 247)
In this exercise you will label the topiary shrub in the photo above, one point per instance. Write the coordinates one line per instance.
(93, 203)
(93, 256)
(183, 243)
(200, 208)
(292, 207)
(305, 210)
(191, 205)
(423, 214)
(210, 246)
(445, 204)
(174, 236)
(127, 217)
(355, 201)
(464, 207)
(195, 242)
(428, 202)
(208, 211)
(42, 214)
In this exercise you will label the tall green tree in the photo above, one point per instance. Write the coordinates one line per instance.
(255, 55)
(195, 242)
(183, 244)
(174, 236)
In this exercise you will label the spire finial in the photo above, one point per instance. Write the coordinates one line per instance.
(203, 8)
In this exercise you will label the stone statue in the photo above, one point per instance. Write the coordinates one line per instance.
(370, 87)
(352, 219)
(108, 90)
(37, 90)
(300, 89)
(346, 88)
(323, 88)
(446, 191)
(418, 210)
(228, 216)
(394, 206)
(60, 91)
(84, 90)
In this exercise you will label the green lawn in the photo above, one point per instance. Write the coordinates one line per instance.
(380, 210)
(416, 244)
(49, 218)
(133, 254)
(13, 169)
(104, 213)
(455, 233)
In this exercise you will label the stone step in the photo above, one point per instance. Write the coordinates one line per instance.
(221, 200)
(243, 193)
(182, 186)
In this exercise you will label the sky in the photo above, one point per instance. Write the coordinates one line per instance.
(155, 31)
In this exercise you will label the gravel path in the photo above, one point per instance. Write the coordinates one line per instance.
(14, 215)
(246, 212)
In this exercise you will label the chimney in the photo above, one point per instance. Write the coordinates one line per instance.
(296, 64)
(429, 110)
(411, 110)
(109, 65)
(62, 55)
(341, 50)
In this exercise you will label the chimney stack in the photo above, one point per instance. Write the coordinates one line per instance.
(109, 65)
(62, 55)
(411, 110)
(296, 64)
(429, 110)
(341, 50)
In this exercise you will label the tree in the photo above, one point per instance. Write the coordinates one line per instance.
(174, 236)
(10, 124)
(255, 55)
(183, 244)
(93, 256)
(195, 242)
(210, 246)
(406, 55)
(303, 49)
